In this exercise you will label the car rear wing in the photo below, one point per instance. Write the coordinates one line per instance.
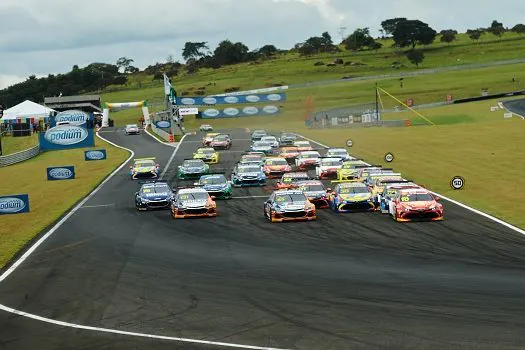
(400, 182)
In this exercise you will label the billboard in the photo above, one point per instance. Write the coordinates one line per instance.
(250, 111)
(66, 137)
(14, 204)
(221, 100)
(73, 117)
(96, 154)
(60, 173)
(163, 124)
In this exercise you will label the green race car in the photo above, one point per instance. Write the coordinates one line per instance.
(216, 185)
(192, 169)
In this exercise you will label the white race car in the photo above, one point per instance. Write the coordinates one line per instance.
(328, 167)
(132, 129)
(338, 153)
(271, 140)
(206, 127)
(307, 159)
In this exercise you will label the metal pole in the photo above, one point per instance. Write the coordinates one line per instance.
(377, 105)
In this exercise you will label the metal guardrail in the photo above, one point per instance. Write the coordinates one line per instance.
(19, 157)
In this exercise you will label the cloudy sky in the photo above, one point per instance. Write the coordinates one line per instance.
(41, 37)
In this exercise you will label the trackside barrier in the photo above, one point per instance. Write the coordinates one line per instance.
(19, 157)
(408, 122)
(171, 138)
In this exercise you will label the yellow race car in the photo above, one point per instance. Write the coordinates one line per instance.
(144, 168)
(349, 170)
(207, 154)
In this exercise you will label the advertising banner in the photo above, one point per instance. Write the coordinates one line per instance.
(60, 173)
(221, 100)
(163, 124)
(72, 117)
(96, 154)
(250, 111)
(188, 111)
(66, 137)
(14, 204)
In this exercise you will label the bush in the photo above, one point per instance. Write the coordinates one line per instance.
(232, 89)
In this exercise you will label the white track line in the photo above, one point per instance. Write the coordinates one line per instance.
(172, 157)
(99, 329)
(474, 210)
(97, 206)
(159, 141)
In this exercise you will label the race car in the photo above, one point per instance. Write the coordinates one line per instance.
(253, 157)
(144, 168)
(287, 139)
(272, 140)
(192, 168)
(363, 172)
(351, 196)
(206, 127)
(216, 185)
(206, 140)
(372, 175)
(289, 153)
(262, 146)
(338, 153)
(289, 180)
(221, 141)
(258, 134)
(207, 154)
(289, 205)
(307, 159)
(315, 192)
(244, 175)
(303, 146)
(389, 192)
(348, 171)
(379, 183)
(193, 202)
(275, 167)
(327, 167)
(132, 129)
(153, 195)
(416, 205)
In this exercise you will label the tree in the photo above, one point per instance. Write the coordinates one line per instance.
(267, 50)
(316, 44)
(519, 28)
(475, 34)
(131, 70)
(194, 50)
(415, 57)
(390, 25)
(123, 63)
(170, 59)
(448, 35)
(412, 33)
(496, 28)
(376, 45)
(230, 53)
(358, 39)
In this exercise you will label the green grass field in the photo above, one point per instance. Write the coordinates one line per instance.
(49, 199)
(12, 145)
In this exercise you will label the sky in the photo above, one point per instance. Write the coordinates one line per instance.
(49, 37)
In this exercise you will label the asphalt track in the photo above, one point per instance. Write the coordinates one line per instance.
(516, 106)
(345, 281)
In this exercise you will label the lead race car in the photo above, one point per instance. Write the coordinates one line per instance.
(144, 168)
(315, 192)
(153, 195)
(216, 185)
(208, 138)
(207, 154)
(192, 169)
(416, 205)
(327, 167)
(351, 196)
(289, 205)
(287, 139)
(221, 141)
(193, 202)
(244, 175)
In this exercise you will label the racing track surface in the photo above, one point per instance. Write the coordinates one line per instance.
(347, 281)
(516, 106)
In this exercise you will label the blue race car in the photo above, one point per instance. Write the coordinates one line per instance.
(216, 185)
(153, 195)
(248, 175)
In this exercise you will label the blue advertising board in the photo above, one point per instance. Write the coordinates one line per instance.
(73, 117)
(95, 154)
(14, 204)
(66, 137)
(163, 124)
(251, 111)
(61, 173)
(221, 100)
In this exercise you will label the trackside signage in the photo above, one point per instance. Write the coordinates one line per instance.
(14, 204)
(72, 117)
(66, 137)
(61, 173)
(96, 154)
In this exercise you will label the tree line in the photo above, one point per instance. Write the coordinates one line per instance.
(410, 36)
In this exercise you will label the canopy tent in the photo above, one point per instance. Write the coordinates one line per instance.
(26, 109)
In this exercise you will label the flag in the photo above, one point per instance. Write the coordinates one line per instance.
(167, 85)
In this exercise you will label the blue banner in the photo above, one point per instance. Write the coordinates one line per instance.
(250, 111)
(14, 204)
(96, 154)
(163, 124)
(222, 100)
(73, 117)
(61, 173)
(66, 137)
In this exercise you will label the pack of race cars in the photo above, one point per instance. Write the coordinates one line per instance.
(297, 195)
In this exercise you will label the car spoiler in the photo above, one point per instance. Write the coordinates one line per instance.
(397, 182)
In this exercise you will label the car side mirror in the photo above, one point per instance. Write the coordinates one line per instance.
(437, 199)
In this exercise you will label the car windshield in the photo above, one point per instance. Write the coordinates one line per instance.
(416, 197)
(302, 144)
(309, 155)
(249, 169)
(196, 162)
(213, 180)
(259, 133)
(157, 188)
(145, 163)
(331, 162)
(269, 138)
(290, 198)
(192, 196)
(292, 178)
(206, 150)
(312, 187)
(349, 190)
(221, 138)
(131, 126)
(262, 144)
(276, 162)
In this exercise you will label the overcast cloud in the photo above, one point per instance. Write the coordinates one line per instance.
(41, 37)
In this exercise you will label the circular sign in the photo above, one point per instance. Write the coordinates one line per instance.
(349, 143)
(389, 157)
(457, 182)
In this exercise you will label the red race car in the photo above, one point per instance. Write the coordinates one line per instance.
(221, 141)
(275, 167)
(415, 205)
(289, 153)
(315, 192)
(289, 180)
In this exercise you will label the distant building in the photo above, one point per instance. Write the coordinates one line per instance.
(86, 103)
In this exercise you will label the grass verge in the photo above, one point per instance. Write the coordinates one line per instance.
(12, 144)
(49, 200)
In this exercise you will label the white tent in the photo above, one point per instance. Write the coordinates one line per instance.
(27, 109)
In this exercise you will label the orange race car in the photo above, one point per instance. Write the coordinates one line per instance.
(289, 180)
(275, 167)
(289, 153)
(415, 205)
(193, 202)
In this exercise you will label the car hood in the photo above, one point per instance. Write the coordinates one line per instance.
(419, 205)
(202, 155)
(314, 194)
(276, 167)
(293, 206)
(213, 187)
(156, 196)
(193, 169)
(194, 203)
(353, 197)
(249, 174)
(145, 168)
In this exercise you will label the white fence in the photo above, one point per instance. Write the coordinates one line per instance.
(19, 157)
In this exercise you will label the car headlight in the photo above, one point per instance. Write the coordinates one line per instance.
(144, 200)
